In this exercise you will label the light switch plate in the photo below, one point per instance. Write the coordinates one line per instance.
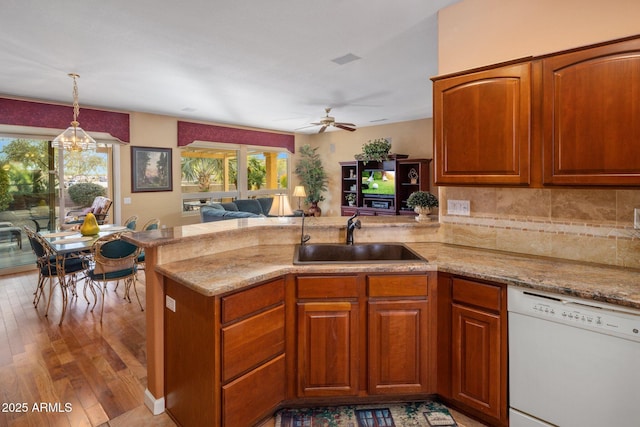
(127, 200)
(170, 303)
(636, 218)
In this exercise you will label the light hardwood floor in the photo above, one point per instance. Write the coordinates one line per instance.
(85, 373)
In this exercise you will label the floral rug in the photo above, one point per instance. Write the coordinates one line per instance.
(416, 414)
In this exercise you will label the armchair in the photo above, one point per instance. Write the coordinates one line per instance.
(100, 208)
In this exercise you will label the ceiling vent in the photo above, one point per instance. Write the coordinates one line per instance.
(345, 59)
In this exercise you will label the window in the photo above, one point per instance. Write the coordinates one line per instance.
(30, 182)
(225, 172)
(267, 170)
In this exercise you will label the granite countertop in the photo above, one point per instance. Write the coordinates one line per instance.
(232, 270)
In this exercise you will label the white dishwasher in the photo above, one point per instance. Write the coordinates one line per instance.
(572, 362)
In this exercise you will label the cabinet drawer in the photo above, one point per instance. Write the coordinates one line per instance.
(327, 287)
(254, 396)
(478, 294)
(246, 302)
(397, 286)
(250, 342)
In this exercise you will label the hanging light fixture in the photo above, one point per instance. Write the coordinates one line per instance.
(74, 138)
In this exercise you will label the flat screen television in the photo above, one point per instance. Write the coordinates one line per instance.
(378, 182)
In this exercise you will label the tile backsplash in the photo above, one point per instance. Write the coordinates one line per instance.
(592, 225)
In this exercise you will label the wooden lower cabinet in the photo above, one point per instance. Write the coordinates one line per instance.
(225, 361)
(362, 335)
(398, 338)
(328, 351)
(398, 347)
(328, 333)
(476, 369)
(473, 328)
(233, 360)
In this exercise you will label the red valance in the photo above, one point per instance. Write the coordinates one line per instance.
(39, 114)
(190, 132)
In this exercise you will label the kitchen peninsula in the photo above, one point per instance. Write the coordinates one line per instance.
(212, 261)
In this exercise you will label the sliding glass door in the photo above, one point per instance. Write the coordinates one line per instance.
(30, 182)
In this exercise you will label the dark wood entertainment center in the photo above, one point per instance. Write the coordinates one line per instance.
(409, 175)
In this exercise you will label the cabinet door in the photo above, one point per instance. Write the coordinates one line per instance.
(591, 106)
(482, 124)
(398, 356)
(328, 348)
(476, 369)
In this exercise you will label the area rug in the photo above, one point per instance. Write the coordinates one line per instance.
(416, 414)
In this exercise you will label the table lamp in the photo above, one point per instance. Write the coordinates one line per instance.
(280, 206)
(299, 192)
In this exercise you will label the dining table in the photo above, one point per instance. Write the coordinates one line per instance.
(71, 244)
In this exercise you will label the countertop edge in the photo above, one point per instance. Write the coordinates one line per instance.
(250, 266)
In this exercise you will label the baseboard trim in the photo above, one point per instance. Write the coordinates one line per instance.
(156, 406)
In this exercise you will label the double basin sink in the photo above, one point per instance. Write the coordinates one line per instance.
(335, 253)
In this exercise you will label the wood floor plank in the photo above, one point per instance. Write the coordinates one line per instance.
(80, 385)
(75, 413)
(97, 369)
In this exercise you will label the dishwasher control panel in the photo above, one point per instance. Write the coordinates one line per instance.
(606, 318)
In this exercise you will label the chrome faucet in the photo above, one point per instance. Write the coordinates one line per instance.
(351, 226)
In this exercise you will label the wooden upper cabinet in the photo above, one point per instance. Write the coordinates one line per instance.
(482, 123)
(591, 116)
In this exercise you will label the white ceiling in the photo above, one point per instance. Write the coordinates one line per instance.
(257, 63)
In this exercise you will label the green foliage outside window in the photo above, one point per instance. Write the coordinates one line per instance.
(5, 196)
(83, 193)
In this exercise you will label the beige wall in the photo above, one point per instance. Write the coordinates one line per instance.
(475, 33)
(588, 225)
(414, 138)
(148, 130)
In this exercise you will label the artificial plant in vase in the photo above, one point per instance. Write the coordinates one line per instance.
(351, 199)
(375, 151)
(313, 176)
(422, 202)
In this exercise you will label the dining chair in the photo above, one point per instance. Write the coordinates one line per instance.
(55, 270)
(131, 222)
(114, 260)
(152, 224)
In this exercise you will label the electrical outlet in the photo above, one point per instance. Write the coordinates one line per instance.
(170, 303)
(636, 218)
(459, 207)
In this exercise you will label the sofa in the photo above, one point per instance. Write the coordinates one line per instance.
(241, 208)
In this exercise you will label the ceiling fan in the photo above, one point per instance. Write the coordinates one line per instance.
(327, 121)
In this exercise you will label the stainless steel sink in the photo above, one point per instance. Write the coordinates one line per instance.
(333, 253)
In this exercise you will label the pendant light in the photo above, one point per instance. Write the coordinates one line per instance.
(74, 138)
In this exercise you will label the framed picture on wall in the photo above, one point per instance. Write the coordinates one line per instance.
(150, 169)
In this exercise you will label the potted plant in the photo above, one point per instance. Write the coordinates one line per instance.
(422, 202)
(313, 176)
(351, 199)
(375, 151)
